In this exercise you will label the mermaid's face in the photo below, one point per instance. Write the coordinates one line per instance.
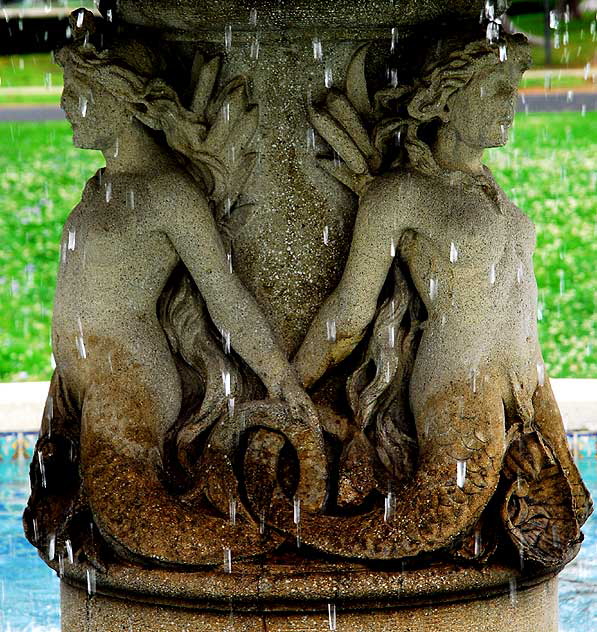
(481, 113)
(95, 115)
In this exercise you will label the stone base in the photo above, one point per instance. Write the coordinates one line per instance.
(531, 608)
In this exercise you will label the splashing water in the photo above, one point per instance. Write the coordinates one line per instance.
(460, 473)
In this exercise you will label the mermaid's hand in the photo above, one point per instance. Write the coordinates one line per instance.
(304, 432)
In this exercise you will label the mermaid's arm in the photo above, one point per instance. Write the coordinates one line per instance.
(342, 320)
(191, 228)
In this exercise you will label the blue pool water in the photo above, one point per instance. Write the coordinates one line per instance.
(29, 599)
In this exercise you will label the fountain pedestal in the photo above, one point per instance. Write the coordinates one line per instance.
(299, 597)
(298, 381)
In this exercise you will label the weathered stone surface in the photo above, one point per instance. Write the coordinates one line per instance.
(296, 319)
(527, 609)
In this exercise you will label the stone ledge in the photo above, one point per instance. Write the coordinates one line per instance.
(22, 404)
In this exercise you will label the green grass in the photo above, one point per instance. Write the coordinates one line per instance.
(553, 82)
(548, 170)
(35, 69)
(43, 175)
(7, 100)
(581, 46)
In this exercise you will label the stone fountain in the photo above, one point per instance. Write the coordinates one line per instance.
(298, 383)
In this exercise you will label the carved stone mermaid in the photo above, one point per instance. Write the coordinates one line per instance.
(455, 337)
(144, 271)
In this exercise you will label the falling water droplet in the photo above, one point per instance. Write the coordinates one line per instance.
(311, 138)
(226, 382)
(83, 106)
(332, 616)
(460, 473)
(228, 38)
(433, 288)
(583, 110)
(42, 469)
(232, 510)
(331, 330)
(394, 39)
(477, 544)
(453, 253)
(226, 111)
(52, 547)
(513, 592)
(109, 15)
(80, 16)
(116, 149)
(394, 77)
(326, 235)
(130, 199)
(262, 523)
(389, 505)
(69, 551)
(473, 379)
(317, 49)
(91, 581)
(492, 274)
(503, 52)
(253, 17)
(231, 403)
(227, 561)
(327, 77)
(60, 565)
(254, 51)
(392, 336)
(554, 20)
(540, 373)
(392, 248)
(519, 273)
(72, 239)
(296, 505)
(108, 192)
(226, 341)
(229, 260)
